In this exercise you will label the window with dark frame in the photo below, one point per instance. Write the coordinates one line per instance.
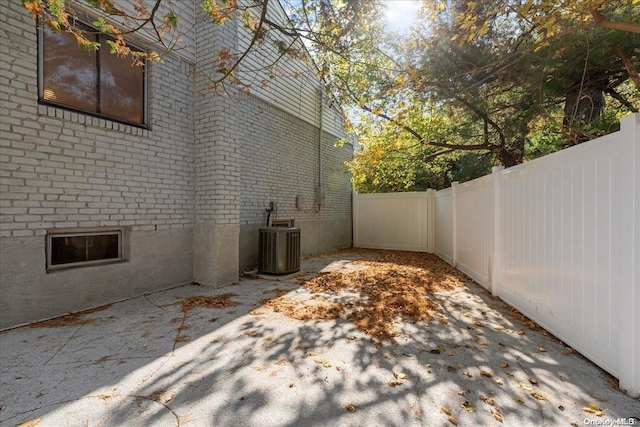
(80, 249)
(98, 83)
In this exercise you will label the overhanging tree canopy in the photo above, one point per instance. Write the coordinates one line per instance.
(511, 78)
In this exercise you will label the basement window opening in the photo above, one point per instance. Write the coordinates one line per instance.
(66, 250)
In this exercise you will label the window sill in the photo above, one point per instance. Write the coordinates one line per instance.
(74, 266)
(89, 120)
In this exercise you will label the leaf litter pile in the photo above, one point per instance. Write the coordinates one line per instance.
(395, 286)
(73, 319)
(208, 301)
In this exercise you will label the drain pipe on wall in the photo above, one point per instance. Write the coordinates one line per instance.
(319, 187)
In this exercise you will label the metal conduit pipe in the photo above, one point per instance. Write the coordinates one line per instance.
(319, 188)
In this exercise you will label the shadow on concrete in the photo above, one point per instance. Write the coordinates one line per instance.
(247, 366)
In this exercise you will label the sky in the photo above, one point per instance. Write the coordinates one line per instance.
(401, 14)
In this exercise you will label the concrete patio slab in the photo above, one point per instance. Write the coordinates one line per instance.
(146, 362)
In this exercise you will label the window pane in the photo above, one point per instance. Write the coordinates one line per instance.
(103, 247)
(65, 250)
(69, 72)
(121, 87)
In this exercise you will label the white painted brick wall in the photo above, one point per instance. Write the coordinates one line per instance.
(64, 169)
(207, 158)
(216, 134)
(280, 162)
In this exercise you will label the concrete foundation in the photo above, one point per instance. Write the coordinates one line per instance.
(158, 260)
(215, 261)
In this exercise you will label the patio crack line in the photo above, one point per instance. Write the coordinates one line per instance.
(94, 361)
(151, 375)
(49, 405)
(533, 383)
(135, 396)
(146, 296)
(66, 342)
(180, 328)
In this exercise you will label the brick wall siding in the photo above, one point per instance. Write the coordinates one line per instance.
(65, 169)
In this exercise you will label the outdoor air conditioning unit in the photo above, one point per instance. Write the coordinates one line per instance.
(279, 250)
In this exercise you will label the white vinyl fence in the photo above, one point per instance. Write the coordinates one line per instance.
(401, 221)
(558, 238)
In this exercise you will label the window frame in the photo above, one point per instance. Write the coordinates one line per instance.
(145, 82)
(79, 233)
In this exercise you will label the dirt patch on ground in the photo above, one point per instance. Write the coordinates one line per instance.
(73, 319)
(396, 286)
(208, 301)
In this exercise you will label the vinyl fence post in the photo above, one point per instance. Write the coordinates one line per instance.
(629, 366)
(355, 222)
(454, 224)
(431, 219)
(497, 236)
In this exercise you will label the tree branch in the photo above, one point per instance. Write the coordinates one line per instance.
(621, 100)
(254, 40)
(602, 22)
(633, 73)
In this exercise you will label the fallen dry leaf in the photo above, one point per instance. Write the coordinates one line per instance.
(487, 400)
(400, 375)
(499, 381)
(324, 363)
(504, 364)
(612, 382)
(453, 420)
(542, 349)
(394, 383)
(524, 386)
(467, 406)
(445, 410)
(29, 423)
(351, 407)
(594, 409)
(395, 286)
(73, 319)
(496, 414)
(208, 301)
(519, 399)
(486, 374)
(179, 338)
(539, 395)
